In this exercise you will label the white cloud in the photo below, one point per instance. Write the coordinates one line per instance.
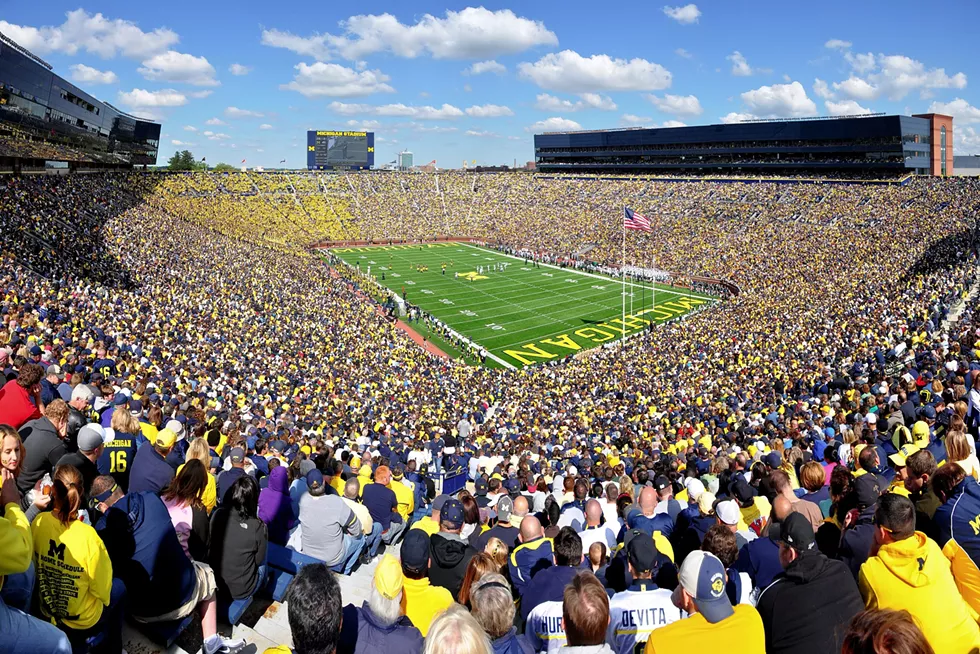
(176, 142)
(893, 77)
(239, 69)
(214, 121)
(141, 98)
(737, 117)
(684, 15)
(967, 140)
(313, 46)
(547, 102)
(857, 88)
(845, 108)
(962, 111)
(596, 101)
(216, 136)
(172, 66)
(740, 67)
(488, 111)
(481, 67)
(837, 44)
(93, 33)
(861, 63)
(199, 94)
(822, 90)
(681, 52)
(571, 72)
(779, 101)
(673, 123)
(266, 126)
(364, 125)
(235, 112)
(632, 120)
(445, 112)
(190, 128)
(435, 129)
(87, 75)
(337, 81)
(473, 33)
(482, 134)
(679, 105)
(553, 124)
(467, 88)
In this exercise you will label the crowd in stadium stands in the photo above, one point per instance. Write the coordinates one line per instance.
(188, 389)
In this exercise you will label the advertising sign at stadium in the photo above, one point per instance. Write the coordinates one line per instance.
(339, 150)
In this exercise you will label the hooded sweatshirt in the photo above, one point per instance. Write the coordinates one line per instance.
(276, 508)
(806, 610)
(450, 556)
(913, 574)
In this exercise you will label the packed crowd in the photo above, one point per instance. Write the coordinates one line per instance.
(181, 379)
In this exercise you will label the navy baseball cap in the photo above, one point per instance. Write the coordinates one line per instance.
(415, 550)
(452, 513)
(702, 575)
(314, 479)
(642, 553)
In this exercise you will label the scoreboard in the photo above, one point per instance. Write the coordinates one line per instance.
(339, 150)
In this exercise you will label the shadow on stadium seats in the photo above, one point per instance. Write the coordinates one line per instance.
(945, 252)
(57, 227)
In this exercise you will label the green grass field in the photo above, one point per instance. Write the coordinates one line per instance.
(521, 314)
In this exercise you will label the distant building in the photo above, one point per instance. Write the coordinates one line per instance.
(46, 118)
(530, 165)
(874, 144)
(966, 165)
(405, 160)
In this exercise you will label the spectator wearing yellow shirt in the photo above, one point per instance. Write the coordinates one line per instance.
(199, 450)
(422, 601)
(713, 619)
(430, 525)
(20, 631)
(404, 493)
(74, 572)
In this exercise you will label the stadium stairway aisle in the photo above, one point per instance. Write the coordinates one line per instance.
(265, 623)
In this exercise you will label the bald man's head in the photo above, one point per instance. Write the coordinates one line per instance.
(520, 506)
(531, 529)
(593, 513)
(648, 501)
(781, 507)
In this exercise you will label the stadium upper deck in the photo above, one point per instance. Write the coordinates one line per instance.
(864, 146)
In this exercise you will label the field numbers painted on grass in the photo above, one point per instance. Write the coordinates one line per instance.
(598, 287)
(385, 268)
(471, 314)
(372, 262)
(572, 281)
(547, 274)
(494, 326)
(426, 291)
(395, 275)
(488, 258)
(524, 268)
(627, 294)
(475, 255)
(446, 301)
(410, 282)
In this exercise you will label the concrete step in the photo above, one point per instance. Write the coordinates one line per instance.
(257, 642)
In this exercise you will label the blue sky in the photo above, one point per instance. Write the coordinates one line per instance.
(245, 80)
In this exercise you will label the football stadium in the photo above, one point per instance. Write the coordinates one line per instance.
(664, 386)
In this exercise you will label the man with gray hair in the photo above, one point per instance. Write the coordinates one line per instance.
(370, 528)
(378, 625)
(493, 608)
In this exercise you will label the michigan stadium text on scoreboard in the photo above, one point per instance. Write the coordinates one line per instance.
(339, 150)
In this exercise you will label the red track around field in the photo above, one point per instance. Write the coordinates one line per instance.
(414, 335)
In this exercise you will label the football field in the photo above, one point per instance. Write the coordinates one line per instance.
(519, 313)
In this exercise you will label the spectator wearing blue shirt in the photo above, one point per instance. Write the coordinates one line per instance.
(151, 472)
(647, 518)
(229, 477)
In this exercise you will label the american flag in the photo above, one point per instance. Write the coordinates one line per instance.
(633, 220)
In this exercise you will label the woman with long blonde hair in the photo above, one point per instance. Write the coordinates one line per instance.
(200, 451)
